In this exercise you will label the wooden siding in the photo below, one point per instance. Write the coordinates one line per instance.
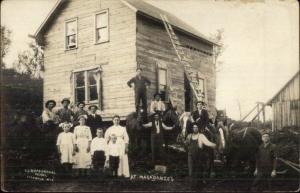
(117, 57)
(154, 48)
(286, 105)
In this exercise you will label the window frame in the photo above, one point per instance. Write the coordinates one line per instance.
(95, 26)
(87, 86)
(159, 81)
(76, 34)
(204, 92)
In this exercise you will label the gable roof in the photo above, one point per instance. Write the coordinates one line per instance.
(284, 86)
(143, 7)
(140, 7)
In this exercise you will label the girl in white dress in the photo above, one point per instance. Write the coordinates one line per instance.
(123, 139)
(83, 139)
(65, 147)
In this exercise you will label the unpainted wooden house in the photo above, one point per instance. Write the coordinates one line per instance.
(286, 105)
(93, 47)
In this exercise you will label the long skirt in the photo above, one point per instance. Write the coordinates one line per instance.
(83, 159)
(123, 169)
(66, 153)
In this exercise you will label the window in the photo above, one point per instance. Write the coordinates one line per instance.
(71, 34)
(86, 86)
(162, 82)
(101, 25)
(201, 87)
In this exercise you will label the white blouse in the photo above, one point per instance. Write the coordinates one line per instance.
(119, 131)
(98, 144)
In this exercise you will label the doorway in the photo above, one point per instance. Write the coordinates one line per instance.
(188, 95)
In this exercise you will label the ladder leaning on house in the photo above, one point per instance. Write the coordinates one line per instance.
(184, 60)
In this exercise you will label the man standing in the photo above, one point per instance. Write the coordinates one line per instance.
(94, 121)
(157, 140)
(65, 114)
(200, 115)
(140, 87)
(265, 164)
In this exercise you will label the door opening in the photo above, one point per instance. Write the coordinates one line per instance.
(188, 95)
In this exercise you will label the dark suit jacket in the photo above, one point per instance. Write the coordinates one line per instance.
(94, 123)
(204, 118)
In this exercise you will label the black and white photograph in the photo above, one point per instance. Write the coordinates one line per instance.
(150, 96)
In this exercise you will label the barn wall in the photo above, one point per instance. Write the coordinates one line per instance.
(154, 48)
(286, 106)
(117, 57)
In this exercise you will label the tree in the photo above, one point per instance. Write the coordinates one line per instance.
(218, 50)
(5, 43)
(31, 61)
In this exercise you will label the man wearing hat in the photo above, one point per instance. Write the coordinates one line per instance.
(94, 120)
(48, 116)
(80, 112)
(65, 114)
(140, 87)
(157, 106)
(157, 140)
(266, 162)
(200, 115)
(50, 127)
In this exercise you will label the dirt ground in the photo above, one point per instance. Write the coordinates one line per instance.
(180, 185)
(174, 180)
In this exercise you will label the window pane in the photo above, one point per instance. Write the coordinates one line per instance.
(93, 93)
(80, 94)
(102, 20)
(92, 77)
(71, 41)
(71, 28)
(79, 79)
(102, 34)
(201, 84)
(162, 77)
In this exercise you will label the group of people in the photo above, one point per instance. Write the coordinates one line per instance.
(83, 144)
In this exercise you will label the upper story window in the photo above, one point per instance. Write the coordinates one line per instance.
(101, 27)
(71, 34)
(162, 82)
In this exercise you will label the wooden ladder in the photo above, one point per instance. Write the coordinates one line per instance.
(184, 60)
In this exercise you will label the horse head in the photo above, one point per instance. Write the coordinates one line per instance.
(170, 117)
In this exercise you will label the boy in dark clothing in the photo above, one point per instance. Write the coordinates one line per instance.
(265, 164)
(114, 151)
(140, 87)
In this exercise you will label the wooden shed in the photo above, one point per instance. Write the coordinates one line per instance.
(286, 105)
(93, 47)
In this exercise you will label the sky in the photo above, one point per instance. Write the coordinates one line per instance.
(261, 39)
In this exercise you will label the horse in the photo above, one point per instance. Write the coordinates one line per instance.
(242, 145)
(170, 119)
(139, 136)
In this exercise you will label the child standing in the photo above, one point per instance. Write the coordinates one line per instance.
(65, 147)
(98, 148)
(113, 154)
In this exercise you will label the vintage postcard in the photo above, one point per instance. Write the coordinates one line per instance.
(150, 95)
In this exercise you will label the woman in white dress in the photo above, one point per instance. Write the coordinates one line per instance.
(83, 138)
(123, 139)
